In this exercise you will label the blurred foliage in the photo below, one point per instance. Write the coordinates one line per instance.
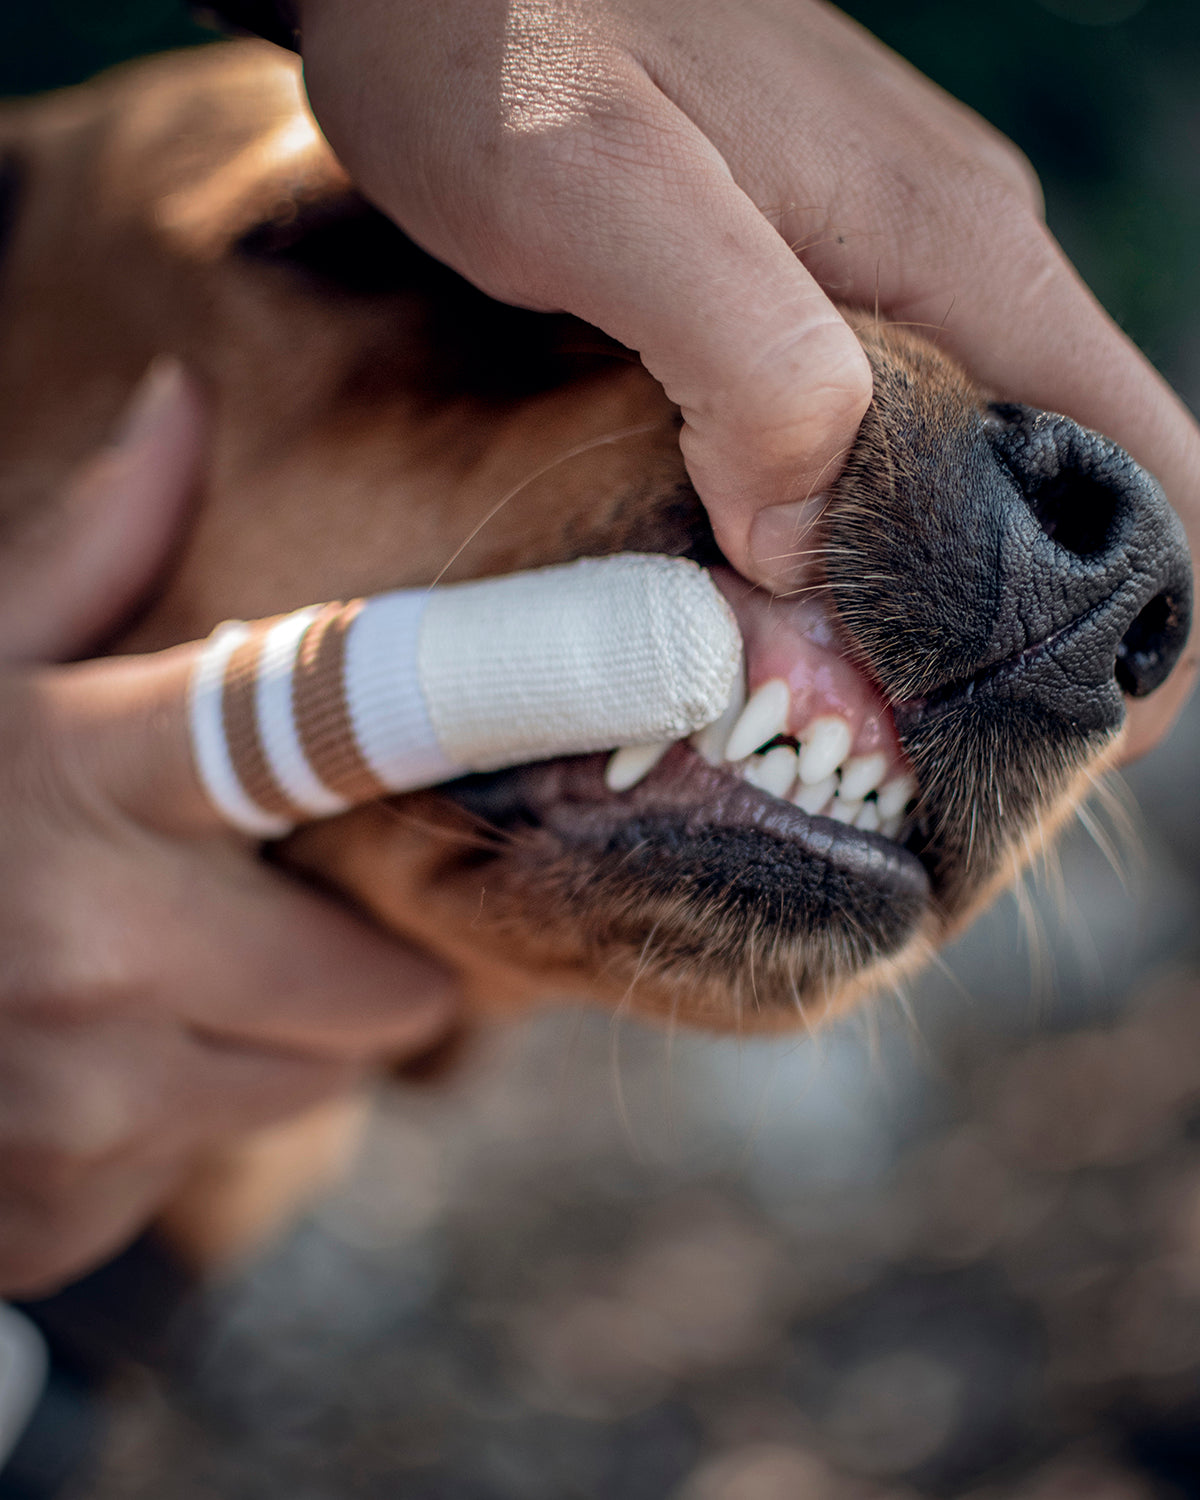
(58, 42)
(1102, 95)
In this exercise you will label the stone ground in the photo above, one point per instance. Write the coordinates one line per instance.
(951, 1248)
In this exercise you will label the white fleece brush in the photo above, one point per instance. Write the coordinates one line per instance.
(305, 715)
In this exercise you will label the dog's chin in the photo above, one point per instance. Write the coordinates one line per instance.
(733, 904)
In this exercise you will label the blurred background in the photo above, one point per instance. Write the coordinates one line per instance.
(948, 1248)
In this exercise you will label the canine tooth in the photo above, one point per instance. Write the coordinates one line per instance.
(630, 763)
(895, 796)
(890, 827)
(844, 810)
(710, 741)
(826, 744)
(868, 817)
(811, 799)
(773, 772)
(862, 774)
(763, 717)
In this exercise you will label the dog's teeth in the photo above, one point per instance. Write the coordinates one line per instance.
(868, 817)
(811, 799)
(761, 720)
(890, 827)
(844, 810)
(773, 772)
(826, 745)
(862, 774)
(630, 763)
(710, 741)
(895, 796)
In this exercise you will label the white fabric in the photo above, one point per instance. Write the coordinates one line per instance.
(208, 737)
(476, 676)
(276, 719)
(384, 697)
(606, 651)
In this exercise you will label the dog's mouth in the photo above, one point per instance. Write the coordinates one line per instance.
(794, 805)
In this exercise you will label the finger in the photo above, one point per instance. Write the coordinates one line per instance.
(223, 944)
(294, 971)
(628, 216)
(77, 1098)
(45, 1245)
(669, 255)
(280, 722)
(66, 584)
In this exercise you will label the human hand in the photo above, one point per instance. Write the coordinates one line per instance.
(162, 991)
(699, 178)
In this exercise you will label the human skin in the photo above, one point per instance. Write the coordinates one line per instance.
(162, 990)
(699, 178)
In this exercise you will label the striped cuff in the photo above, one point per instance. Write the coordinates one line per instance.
(307, 714)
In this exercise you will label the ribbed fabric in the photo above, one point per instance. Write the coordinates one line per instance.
(384, 691)
(601, 652)
(302, 716)
(210, 744)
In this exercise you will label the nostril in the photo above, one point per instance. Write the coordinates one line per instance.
(1151, 646)
(1078, 486)
(1077, 511)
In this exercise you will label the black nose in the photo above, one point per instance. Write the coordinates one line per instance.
(1096, 566)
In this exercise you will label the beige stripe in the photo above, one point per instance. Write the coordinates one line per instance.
(240, 714)
(322, 715)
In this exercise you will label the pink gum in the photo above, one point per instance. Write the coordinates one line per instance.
(796, 639)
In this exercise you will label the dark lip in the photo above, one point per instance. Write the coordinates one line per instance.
(683, 800)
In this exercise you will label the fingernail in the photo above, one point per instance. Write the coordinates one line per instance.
(153, 396)
(782, 542)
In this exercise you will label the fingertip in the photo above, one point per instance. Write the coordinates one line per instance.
(763, 468)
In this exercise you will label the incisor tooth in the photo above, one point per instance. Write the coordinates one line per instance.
(826, 744)
(773, 772)
(895, 796)
(630, 763)
(710, 742)
(761, 720)
(868, 817)
(811, 799)
(862, 774)
(890, 827)
(844, 810)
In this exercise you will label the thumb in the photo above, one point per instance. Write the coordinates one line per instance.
(68, 579)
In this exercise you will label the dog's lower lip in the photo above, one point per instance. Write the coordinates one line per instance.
(682, 799)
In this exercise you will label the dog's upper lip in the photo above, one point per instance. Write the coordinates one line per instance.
(682, 799)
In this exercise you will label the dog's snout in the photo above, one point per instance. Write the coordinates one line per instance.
(1095, 554)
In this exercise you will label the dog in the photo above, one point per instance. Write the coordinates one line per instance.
(986, 585)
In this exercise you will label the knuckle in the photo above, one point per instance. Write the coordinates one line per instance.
(998, 187)
(1015, 174)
